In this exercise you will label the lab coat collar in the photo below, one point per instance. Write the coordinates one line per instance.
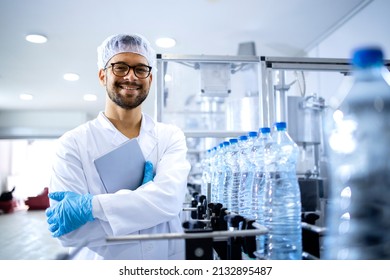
(147, 125)
(147, 138)
(117, 137)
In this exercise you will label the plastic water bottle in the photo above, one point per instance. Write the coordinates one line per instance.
(212, 166)
(218, 171)
(233, 166)
(247, 172)
(224, 175)
(206, 171)
(242, 140)
(282, 198)
(358, 137)
(263, 141)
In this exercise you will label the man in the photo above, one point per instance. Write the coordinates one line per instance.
(82, 214)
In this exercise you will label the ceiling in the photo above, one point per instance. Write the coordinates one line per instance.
(76, 27)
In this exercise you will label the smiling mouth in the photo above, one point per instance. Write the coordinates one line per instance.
(129, 87)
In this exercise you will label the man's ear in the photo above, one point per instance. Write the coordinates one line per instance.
(102, 77)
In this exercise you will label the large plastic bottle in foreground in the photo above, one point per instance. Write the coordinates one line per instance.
(358, 137)
(282, 198)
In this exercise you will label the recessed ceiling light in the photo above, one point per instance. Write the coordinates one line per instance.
(25, 96)
(90, 97)
(165, 42)
(36, 38)
(71, 77)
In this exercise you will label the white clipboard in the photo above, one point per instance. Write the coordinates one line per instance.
(122, 168)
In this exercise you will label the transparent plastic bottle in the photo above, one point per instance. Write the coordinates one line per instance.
(358, 137)
(206, 171)
(233, 166)
(213, 160)
(218, 171)
(282, 198)
(224, 175)
(247, 171)
(258, 186)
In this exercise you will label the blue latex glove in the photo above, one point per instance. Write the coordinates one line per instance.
(148, 172)
(72, 211)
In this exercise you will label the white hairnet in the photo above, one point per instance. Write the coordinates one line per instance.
(123, 43)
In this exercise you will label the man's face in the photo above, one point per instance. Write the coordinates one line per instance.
(127, 92)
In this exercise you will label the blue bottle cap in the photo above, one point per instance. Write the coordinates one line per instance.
(265, 130)
(281, 125)
(233, 140)
(366, 57)
(252, 134)
(243, 137)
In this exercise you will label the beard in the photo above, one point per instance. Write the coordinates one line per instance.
(127, 102)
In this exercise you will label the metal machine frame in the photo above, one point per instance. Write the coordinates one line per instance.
(269, 102)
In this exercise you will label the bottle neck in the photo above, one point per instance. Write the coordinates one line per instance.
(368, 73)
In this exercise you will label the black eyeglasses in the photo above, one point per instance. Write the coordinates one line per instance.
(121, 69)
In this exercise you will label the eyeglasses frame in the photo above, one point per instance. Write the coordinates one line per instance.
(130, 67)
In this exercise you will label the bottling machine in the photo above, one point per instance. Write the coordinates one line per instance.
(213, 98)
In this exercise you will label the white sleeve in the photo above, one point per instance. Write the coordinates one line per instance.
(97, 210)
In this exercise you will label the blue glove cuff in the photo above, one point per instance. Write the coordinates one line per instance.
(88, 209)
(148, 172)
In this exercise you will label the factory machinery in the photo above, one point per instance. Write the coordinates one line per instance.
(214, 98)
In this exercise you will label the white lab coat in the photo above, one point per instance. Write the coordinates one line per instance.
(152, 208)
